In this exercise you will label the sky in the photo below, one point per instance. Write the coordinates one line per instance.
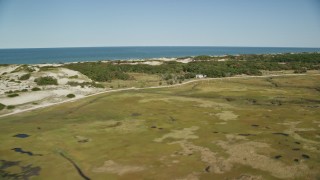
(90, 23)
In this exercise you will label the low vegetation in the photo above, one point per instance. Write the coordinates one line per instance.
(300, 70)
(83, 84)
(234, 65)
(16, 91)
(47, 68)
(48, 80)
(2, 106)
(13, 80)
(13, 95)
(71, 95)
(25, 68)
(36, 89)
(10, 107)
(25, 76)
(184, 57)
(241, 128)
(203, 57)
(74, 77)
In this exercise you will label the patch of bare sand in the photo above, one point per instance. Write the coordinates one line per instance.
(185, 61)
(248, 177)
(317, 122)
(245, 153)
(292, 131)
(232, 137)
(8, 69)
(26, 98)
(221, 123)
(217, 164)
(227, 116)
(186, 133)
(152, 63)
(116, 168)
(69, 72)
(192, 176)
(311, 148)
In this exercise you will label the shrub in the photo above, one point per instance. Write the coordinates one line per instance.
(2, 106)
(8, 92)
(71, 95)
(186, 57)
(235, 65)
(47, 68)
(74, 83)
(13, 95)
(23, 68)
(170, 82)
(16, 91)
(29, 69)
(42, 81)
(97, 85)
(299, 71)
(25, 77)
(168, 77)
(202, 57)
(189, 75)
(74, 77)
(90, 84)
(35, 89)
(10, 107)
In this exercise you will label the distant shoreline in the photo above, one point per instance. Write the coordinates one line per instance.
(27, 86)
(91, 54)
(149, 61)
(156, 47)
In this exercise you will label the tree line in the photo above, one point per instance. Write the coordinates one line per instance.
(234, 65)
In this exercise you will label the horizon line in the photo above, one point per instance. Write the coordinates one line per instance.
(61, 47)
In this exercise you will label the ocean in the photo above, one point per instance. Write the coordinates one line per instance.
(61, 55)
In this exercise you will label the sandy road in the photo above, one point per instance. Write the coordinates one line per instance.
(153, 87)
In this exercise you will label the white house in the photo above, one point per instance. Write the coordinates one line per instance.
(200, 76)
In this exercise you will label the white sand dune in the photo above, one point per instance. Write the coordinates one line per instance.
(26, 98)
(8, 69)
(48, 94)
(69, 72)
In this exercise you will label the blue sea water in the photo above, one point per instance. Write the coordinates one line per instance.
(58, 55)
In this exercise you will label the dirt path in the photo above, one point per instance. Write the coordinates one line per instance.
(153, 87)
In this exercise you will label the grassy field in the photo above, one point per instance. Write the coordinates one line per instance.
(250, 128)
(139, 80)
